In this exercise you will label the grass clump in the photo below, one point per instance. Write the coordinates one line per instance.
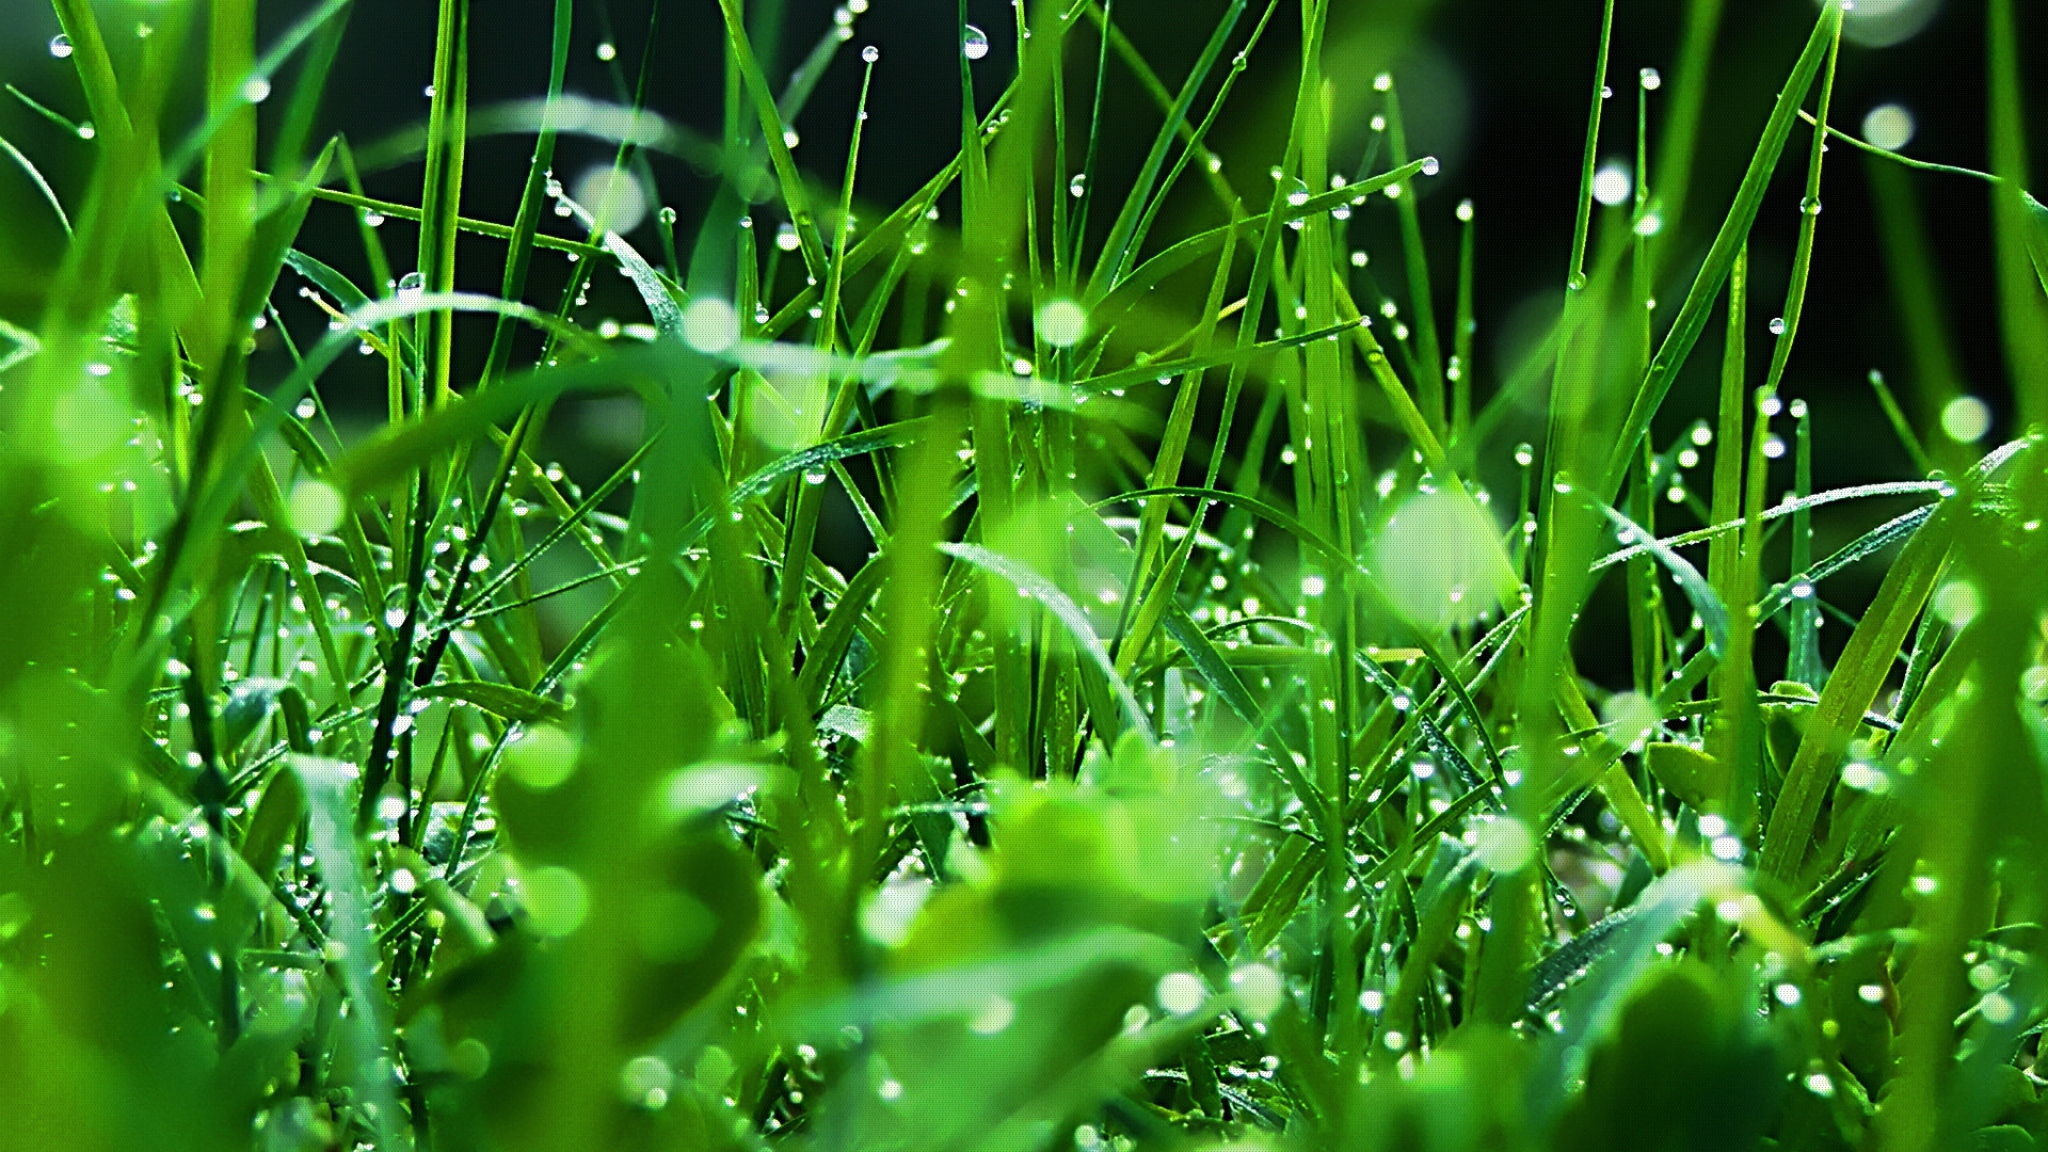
(1072, 656)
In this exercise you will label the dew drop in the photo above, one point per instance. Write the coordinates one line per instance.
(1062, 323)
(1181, 992)
(607, 51)
(1611, 184)
(411, 285)
(974, 43)
(710, 325)
(60, 46)
(1888, 126)
(1651, 79)
(871, 54)
(1777, 325)
(1966, 419)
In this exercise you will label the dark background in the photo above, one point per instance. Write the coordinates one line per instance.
(1496, 88)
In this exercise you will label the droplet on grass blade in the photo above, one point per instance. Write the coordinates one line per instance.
(1503, 844)
(710, 325)
(542, 759)
(1181, 992)
(1611, 184)
(1062, 323)
(1260, 990)
(315, 507)
(615, 199)
(1888, 126)
(1966, 419)
(973, 43)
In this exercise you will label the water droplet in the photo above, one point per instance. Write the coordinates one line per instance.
(86, 131)
(871, 54)
(1651, 79)
(1430, 166)
(1062, 323)
(1503, 844)
(1606, 92)
(1465, 210)
(1383, 82)
(1181, 992)
(1777, 325)
(256, 89)
(1260, 990)
(1078, 186)
(60, 46)
(607, 51)
(974, 43)
(710, 325)
(1611, 184)
(1888, 126)
(1966, 419)
(616, 200)
(411, 285)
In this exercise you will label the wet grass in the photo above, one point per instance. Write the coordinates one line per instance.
(1192, 751)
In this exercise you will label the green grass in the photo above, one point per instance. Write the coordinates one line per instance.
(1195, 752)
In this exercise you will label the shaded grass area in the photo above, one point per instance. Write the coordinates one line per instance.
(1034, 668)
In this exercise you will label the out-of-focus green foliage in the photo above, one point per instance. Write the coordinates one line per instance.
(1038, 668)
